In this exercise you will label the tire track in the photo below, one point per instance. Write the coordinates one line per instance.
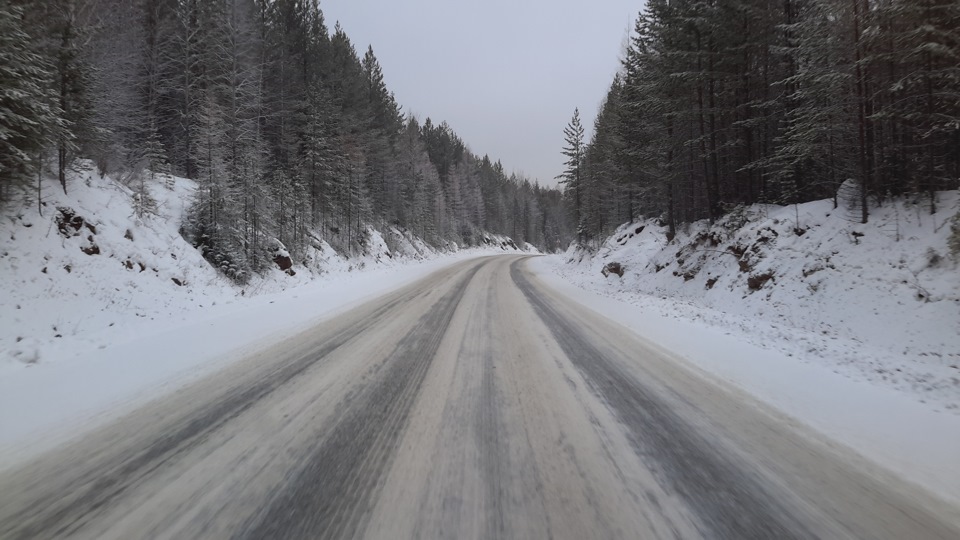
(487, 428)
(729, 501)
(332, 493)
(492, 445)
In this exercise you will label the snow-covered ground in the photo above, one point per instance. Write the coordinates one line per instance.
(115, 309)
(856, 332)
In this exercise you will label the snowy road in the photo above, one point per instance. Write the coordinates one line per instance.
(476, 403)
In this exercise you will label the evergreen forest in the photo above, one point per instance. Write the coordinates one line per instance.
(726, 103)
(290, 132)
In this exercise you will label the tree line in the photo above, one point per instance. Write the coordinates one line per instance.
(727, 103)
(289, 132)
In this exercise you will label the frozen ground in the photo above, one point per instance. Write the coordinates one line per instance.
(855, 333)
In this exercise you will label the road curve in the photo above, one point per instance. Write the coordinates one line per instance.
(475, 403)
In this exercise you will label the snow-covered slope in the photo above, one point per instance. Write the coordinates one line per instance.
(88, 263)
(90, 271)
(878, 302)
(850, 329)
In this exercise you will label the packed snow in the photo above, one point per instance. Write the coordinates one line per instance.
(852, 328)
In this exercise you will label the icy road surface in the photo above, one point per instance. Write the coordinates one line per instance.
(475, 403)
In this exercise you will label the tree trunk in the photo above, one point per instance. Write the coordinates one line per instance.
(861, 114)
(704, 161)
(713, 185)
(40, 183)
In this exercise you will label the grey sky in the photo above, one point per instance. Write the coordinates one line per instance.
(505, 74)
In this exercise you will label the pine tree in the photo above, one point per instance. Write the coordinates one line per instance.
(29, 113)
(61, 42)
(643, 109)
(572, 178)
(384, 126)
(925, 93)
(613, 196)
(817, 141)
(121, 131)
(56, 34)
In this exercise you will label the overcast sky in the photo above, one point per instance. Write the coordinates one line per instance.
(505, 74)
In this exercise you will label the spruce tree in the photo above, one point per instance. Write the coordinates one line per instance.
(925, 94)
(29, 112)
(572, 177)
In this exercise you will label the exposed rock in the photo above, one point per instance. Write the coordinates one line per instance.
(755, 282)
(613, 268)
(281, 257)
(68, 222)
(91, 248)
(283, 261)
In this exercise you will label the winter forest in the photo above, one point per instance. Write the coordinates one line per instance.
(292, 135)
(288, 131)
(726, 103)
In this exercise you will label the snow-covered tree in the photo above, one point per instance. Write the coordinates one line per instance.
(29, 111)
(572, 178)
